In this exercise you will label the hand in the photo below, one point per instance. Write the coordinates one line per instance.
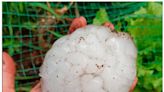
(134, 84)
(37, 88)
(77, 23)
(9, 71)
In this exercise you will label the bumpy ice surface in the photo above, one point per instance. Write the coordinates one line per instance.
(91, 59)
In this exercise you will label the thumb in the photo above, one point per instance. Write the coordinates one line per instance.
(9, 71)
(37, 88)
(133, 85)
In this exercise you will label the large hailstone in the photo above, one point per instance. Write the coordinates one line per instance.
(91, 59)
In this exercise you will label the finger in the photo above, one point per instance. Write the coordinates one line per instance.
(37, 88)
(77, 23)
(109, 25)
(8, 73)
(8, 64)
(133, 85)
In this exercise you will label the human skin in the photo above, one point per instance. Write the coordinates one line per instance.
(81, 22)
(9, 69)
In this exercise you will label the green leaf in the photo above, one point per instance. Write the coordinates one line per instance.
(56, 34)
(155, 8)
(11, 51)
(12, 45)
(146, 30)
(21, 6)
(29, 25)
(45, 7)
(101, 17)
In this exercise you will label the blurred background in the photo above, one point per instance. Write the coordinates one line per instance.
(30, 28)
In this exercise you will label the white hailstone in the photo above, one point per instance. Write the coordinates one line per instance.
(91, 59)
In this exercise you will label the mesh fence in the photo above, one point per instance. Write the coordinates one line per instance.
(29, 30)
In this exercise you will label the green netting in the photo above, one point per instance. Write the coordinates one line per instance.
(29, 30)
